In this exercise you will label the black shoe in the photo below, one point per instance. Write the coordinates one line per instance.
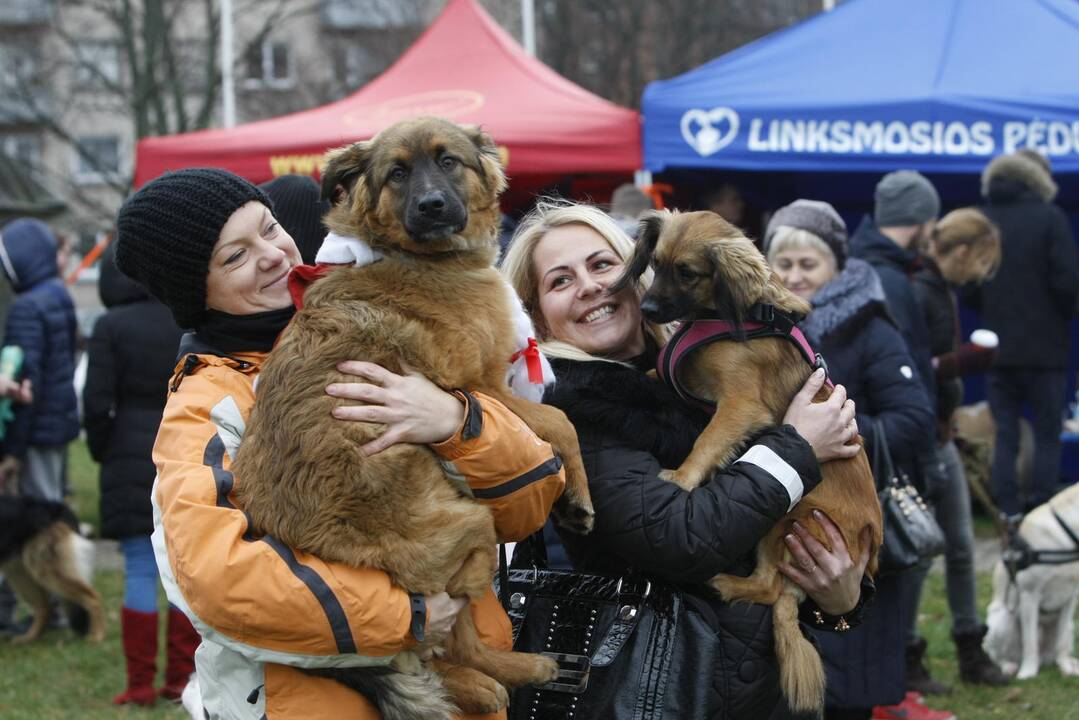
(974, 665)
(918, 677)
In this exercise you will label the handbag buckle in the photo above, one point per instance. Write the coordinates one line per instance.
(572, 673)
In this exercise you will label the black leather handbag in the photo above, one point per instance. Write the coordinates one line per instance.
(911, 531)
(623, 646)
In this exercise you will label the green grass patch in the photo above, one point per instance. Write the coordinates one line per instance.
(61, 677)
(1049, 696)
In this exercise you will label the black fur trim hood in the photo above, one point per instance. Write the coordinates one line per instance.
(1009, 177)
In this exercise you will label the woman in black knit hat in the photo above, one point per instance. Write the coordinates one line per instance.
(207, 244)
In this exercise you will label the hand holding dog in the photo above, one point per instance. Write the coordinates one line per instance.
(413, 409)
(442, 612)
(829, 577)
(829, 426)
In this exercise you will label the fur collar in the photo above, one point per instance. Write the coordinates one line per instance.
(1026, 171)
(853, 293)
(613, 400)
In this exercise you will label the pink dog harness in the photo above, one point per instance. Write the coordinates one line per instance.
(766, 321)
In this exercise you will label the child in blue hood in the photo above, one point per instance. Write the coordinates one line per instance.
(41, 322)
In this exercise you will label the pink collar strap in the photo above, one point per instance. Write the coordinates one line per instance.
(768, 321)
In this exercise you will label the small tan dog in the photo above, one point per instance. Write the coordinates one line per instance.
(705, 268)
(424, 194)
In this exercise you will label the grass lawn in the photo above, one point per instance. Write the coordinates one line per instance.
(60, 677)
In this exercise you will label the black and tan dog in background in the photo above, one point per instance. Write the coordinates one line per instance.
(42, 552)
(424, 193)
(706, 268)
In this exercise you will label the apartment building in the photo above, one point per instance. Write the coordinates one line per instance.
(81, 81)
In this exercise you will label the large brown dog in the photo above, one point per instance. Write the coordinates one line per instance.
(705, 267)
(424, 193)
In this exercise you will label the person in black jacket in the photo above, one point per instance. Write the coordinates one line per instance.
(1029, 305)
(631, 426)
(806, 244)
(130, 359)
(905, 210)
(965, 248)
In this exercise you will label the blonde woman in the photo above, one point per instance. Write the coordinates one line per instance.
(561, 262)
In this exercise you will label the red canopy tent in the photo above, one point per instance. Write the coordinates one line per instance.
(464, 67)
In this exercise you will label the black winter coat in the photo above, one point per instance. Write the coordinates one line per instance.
(937, 299)
(1032, 298)
(850, 326)
(42, 322)
(630, 426)
(896, 267)
(132, 353)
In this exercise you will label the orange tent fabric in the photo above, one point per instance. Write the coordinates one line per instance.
(464, 67)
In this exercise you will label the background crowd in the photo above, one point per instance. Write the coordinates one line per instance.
(885, 318)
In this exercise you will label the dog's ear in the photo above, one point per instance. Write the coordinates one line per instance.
(648, 232)
(739, 280)
(344, 166)
(488, 158)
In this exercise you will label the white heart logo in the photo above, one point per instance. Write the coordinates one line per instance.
(699, 129)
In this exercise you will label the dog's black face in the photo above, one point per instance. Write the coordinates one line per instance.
(424, 185)
(429, 195)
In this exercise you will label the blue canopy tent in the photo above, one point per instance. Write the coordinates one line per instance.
(878, 85)
(824, 108)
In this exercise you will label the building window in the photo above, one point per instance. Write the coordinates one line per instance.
(359, 65)
(269, 65)
(97, 64)
(23, 148)
(97, 158)
(18, 66)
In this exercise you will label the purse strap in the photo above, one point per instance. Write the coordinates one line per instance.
(882, 456)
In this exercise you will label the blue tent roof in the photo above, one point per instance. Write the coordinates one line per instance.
(877, 85)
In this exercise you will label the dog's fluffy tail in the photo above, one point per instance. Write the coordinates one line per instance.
(418, 695)
(801, 674)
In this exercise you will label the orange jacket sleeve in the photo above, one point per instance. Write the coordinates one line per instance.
(508, 468)
(266, 598)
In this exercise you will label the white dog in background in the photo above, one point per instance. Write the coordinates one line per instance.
(1032, 622)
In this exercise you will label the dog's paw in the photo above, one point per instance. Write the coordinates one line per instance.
(475, 693)
(1026, 671)
(546, 671)
(575, 514)
(1009, 668)
(1069, 666)
(681, 478)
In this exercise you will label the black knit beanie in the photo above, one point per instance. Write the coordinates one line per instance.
(166, 232)
(299, 208)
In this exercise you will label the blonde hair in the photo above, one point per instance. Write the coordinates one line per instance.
(970, 227)
(792, 238)
(518, 265)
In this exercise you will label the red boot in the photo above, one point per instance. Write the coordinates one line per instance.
(139, 632)
(183, 639)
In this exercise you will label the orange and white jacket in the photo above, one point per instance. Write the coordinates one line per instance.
(264, 609)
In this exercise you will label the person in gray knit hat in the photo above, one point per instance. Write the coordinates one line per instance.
(815, 217)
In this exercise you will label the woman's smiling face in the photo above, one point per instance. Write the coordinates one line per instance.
(250, 263)
(574, 266)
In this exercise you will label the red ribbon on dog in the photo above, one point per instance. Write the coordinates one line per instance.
(301, 277)
(531, 354)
